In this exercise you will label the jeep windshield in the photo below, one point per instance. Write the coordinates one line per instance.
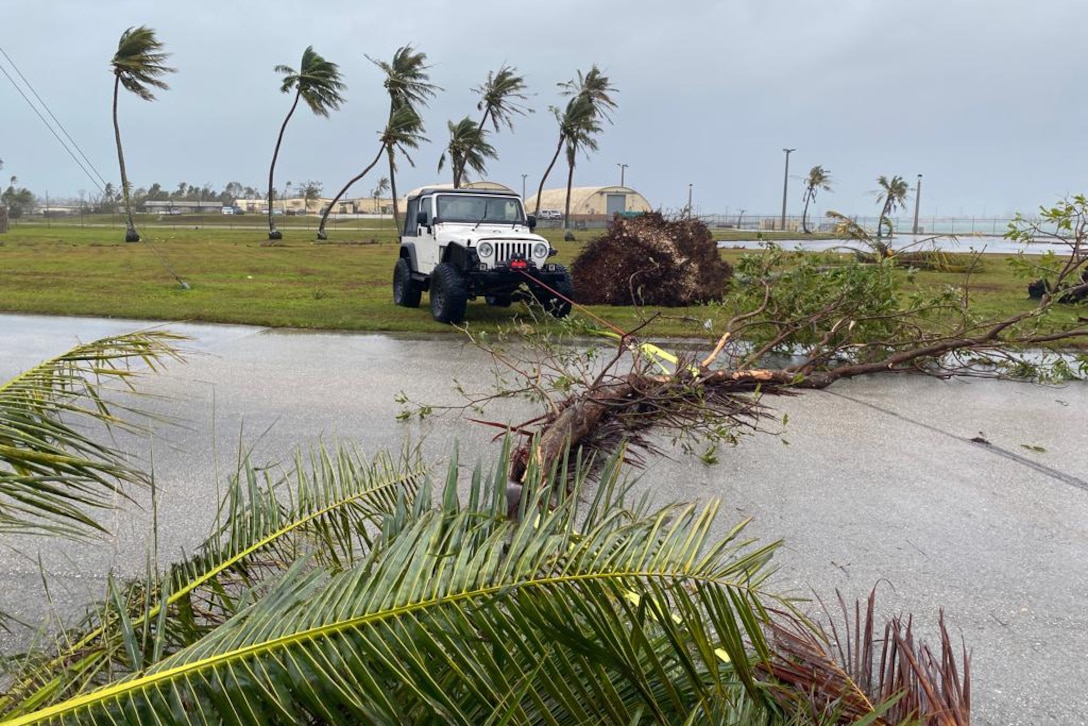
(476, 209)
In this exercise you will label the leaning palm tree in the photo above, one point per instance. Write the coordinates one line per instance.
(407, 82)
(581, 129)
(317, 82)
(500, 98)
(138, 65)
(468, 149)
(818, 178)
(591, 99)
(403, 132)
(893, 195)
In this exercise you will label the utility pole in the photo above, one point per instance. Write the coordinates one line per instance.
(917, 200)
(523, 187)
(622, 167)
(689, 201)
(785, 187)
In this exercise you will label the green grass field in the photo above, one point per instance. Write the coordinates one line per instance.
(235, 276)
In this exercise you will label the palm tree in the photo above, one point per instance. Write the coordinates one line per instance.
(582, 126)
(317, 82)
(407, 82)
(379, 189)
(468, 148)
(499, 98)
(818, 178)
(138, 65)
(591, 100)
(403, 131)
(893, 195)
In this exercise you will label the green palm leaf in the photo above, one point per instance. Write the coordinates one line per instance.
(327, 509)
(53, 473)
(460, 615)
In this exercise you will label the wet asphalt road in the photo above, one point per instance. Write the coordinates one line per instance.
(880, 482)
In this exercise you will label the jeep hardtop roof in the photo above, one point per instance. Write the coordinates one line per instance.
(467, 191)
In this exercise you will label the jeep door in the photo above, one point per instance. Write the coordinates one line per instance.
(426, 245)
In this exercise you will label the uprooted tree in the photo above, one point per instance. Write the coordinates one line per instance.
(649, 260)
(795, 321)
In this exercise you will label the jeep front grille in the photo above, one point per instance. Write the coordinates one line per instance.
(506, 251)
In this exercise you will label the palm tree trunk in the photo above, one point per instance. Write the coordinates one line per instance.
(570, 183)
(393, 188)
(804, 212)
(540, 190)
(321, 234)
(880, 222)
(131, 235)
(274, 233)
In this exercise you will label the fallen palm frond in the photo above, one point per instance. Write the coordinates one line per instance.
(852, 674)
(608, 611)
(53, 473)
(328, 510)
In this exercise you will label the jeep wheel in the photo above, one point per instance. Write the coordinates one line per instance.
(406, 291)
(448, 294)
(557, 305)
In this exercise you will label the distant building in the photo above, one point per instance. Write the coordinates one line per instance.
(590, 203)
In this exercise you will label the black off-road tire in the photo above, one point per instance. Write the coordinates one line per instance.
(556, 306)
(406, 291)
(449, 294)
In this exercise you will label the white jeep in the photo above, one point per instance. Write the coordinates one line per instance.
(460, 244)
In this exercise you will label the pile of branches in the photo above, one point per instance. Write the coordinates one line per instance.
(648, 260)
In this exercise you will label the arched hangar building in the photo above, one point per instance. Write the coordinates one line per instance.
(590, 202)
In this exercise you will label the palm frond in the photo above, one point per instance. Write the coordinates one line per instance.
(854, 673)
(319, 84)
(460, 614)
(140, 62)
(53, 473)
(328, 508)
(500, 98)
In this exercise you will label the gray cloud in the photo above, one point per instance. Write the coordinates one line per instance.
(980, 96)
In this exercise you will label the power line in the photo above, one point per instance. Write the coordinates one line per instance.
(49, 126)
(104, 183)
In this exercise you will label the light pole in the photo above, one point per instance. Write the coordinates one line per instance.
(917, 200)
(623, 168)
(689, 201)
(785, 186)
(523, 186)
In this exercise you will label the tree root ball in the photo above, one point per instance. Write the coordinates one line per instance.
(648, 260)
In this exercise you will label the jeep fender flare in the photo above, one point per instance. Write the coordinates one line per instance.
(458, 256)
(408, 252)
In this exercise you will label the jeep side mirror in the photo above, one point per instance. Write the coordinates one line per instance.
(531, 220)
(421, 218)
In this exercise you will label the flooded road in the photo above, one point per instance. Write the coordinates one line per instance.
(989, 244)
(881, 482)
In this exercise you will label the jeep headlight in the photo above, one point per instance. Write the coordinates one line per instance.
(485, 249)
(540, 250)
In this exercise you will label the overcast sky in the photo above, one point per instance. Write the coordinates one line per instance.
(985, 98)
